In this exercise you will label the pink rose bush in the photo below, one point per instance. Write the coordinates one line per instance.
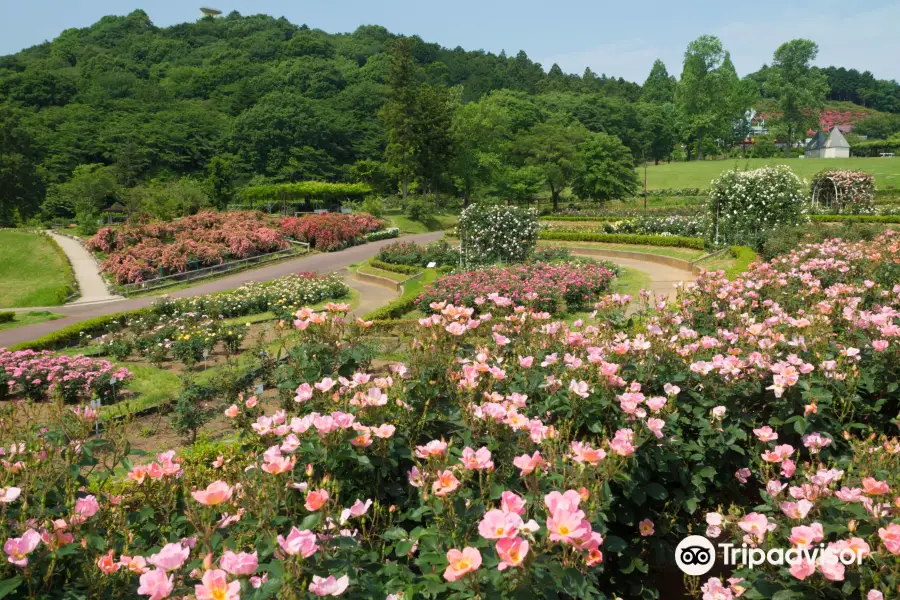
(509, 454)
(141, 251)
(331, 231)
(44, 375)
(548, 287)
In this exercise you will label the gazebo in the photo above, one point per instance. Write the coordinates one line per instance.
(116, 209)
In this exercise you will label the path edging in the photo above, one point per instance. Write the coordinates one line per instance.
(678, 263)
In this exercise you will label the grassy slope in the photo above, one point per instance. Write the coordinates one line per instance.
(30, 318)
(33, 272)
(630, 282)
(699, 173)
(407, 225)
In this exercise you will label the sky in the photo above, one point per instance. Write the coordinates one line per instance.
(619, 39)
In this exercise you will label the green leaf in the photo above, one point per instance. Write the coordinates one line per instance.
(310, 521)
(707, 472)
(656, 491)
(614, 544)
(800, 425)
(395, 533)
(8, 586)
(403, 548)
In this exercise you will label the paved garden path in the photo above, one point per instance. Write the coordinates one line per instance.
(662, 277)
(87, 271)
(321, 263)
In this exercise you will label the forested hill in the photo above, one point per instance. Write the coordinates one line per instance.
(282, 97)
(120, 110)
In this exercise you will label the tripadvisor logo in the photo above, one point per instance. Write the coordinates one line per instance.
(695, 555)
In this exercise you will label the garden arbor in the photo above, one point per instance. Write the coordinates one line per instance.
(842, 191)
(312, 193)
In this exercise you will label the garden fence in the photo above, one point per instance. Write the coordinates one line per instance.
(204, 272)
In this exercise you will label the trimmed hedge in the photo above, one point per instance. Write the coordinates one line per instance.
(393, 310)
(404, 269)
(856, 218)
(576, 218)
(625, 238)
(744, 256)
(7, 317)
(65, 336)
(383, 234)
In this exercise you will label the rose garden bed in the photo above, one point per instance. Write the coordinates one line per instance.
(505, 454)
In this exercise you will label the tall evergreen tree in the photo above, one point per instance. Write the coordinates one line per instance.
(660, 86)
(704, 89)
(799, 88)
(399, 113)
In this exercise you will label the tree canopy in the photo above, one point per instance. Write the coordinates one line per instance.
(242, 101)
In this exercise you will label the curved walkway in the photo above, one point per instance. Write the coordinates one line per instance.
(320, 263)
(663, 278)
(87, 272)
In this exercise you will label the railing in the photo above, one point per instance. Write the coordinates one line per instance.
(202, 273)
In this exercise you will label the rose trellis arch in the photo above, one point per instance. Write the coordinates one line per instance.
(842, 191)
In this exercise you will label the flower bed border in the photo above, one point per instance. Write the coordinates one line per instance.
(625, 238)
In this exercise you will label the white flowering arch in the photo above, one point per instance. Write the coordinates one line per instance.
(491, 234)
(746, 205)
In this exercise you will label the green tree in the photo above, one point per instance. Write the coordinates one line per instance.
(553, 149)
(399, 113)
(519, 184)
(481, 133)
(220, 175)
(763, 147)
(605, 169)
(91, 189)
(21, 187)
(799, 88)
(434, 141)
(660, 130)
(702, 93)
(660, 86)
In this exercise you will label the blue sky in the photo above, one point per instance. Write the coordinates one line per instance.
(617, 38)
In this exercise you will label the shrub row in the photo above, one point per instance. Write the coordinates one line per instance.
(676, 192)
(73, 333)
(405, 269)
(7, 317)
(623, 238)
(744, 256)
(384, 234)
(394, 309)
(552, 217)
(856, 218)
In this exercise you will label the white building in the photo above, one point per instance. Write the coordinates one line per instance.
(835, 146)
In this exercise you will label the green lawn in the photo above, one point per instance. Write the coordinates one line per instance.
(370, 270)
(152, 387)
(630, 282)
(698, 174)
(30, 318)
(682, 253)
(407, 225)
(33, 271)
